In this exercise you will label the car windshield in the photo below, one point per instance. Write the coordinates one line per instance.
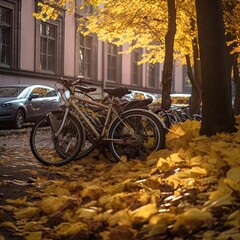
(10, 91)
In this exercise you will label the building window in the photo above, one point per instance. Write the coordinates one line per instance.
(49, 44)
(85, 56)
(9, 33)
(187, 86)
(83, 8)
(49, 47)
(48, 34)
(136, 69)
(87, 46)
(114, 62)
(153, 73)
(5, 35)
(88, 10)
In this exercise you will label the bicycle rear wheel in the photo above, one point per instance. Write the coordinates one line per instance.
(136, 135)
(56, 150)
(164, 116)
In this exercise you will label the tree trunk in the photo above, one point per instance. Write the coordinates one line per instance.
(168, 61)
(195, 100)
(233, 70)
(236, 78)
(196, 79)
(217, 112)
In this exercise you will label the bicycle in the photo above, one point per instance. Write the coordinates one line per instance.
(98, 119)
(175, 115)
(124, 128)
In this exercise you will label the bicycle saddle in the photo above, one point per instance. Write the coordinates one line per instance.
(117, 92)
(137, 103)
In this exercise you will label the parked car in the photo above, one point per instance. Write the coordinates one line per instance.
(180, 99)
(139, 95)
(23, 103)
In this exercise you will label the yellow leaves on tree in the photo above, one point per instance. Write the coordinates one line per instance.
(47, 12)
(50, 9)
(231, 18)
(139, 24)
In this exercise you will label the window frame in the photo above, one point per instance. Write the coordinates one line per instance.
(155, 74)
(93, 56)
(85, 63)
(93, 68)
(86, 11)
(59, 48)
(117, 69)
(14, 7)
(186, 83)
(46, 55)
(136, 76)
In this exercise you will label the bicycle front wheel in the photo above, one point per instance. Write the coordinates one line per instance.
(50, 149)
(136, 135)
(87, 148)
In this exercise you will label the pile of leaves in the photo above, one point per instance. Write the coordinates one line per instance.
(190, 190)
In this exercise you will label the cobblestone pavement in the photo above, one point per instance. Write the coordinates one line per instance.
(16, 163)
(18, 169)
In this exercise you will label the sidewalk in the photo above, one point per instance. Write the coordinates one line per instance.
(16, 163)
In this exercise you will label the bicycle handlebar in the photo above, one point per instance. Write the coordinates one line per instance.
(68, 84)
(80, 79)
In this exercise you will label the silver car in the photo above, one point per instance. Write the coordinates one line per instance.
(139, 95)
(23, 103)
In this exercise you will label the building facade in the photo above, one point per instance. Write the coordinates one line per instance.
(37, 52)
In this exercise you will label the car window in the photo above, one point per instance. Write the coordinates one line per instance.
(180, 100)
(10, 91)
(51, 93)
(139, 96)
(43, 92)
(150, 96)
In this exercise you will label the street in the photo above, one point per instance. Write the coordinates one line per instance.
(19, 168)
(17, 163)
(20, 172)
(16, 168)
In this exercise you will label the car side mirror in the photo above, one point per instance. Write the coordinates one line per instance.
(33, 95)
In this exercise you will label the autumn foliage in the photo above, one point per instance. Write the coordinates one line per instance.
(190, 190)
(139, 24)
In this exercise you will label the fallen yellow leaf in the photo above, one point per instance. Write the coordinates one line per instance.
(34, 236)
(192, 218)
(27, 213)
(145, 211)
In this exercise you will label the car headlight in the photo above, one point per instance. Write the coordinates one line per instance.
(6, 105)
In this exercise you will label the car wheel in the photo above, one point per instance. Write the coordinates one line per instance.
(19, 119)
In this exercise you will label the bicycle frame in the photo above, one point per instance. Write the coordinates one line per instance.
(110, 109)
